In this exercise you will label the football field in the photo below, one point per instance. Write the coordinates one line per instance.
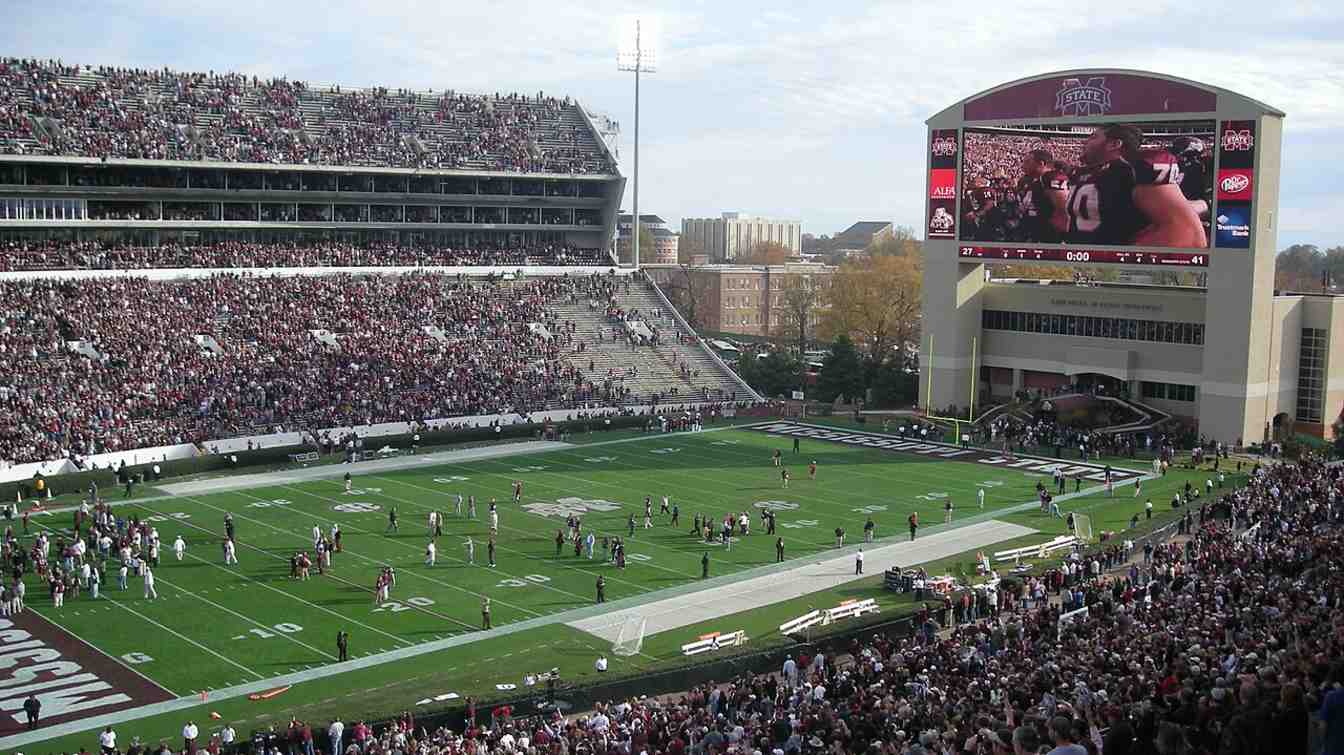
(218, 627)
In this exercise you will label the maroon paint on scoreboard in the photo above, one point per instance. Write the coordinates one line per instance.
(72, 679)
(942, 220)
(1088, 94)
(1085, 256)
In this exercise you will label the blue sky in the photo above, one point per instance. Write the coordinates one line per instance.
(812, 111)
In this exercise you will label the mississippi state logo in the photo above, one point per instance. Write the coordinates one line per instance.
(1238, 141)
(944, 147)
(942, 221)
(1079, 97)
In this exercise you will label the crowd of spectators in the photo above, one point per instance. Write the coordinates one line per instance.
(1227, 641)
(48, 107)
(166, 362)
(94, 255)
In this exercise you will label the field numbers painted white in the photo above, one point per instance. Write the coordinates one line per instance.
(526, 581)
(166, 517)
(570, 506)
(357, 507)
(873, 509)
(270, 503)
(933, 496)
(776, 505)
(642, 557)
(451, 480)
(394, 606)
(532, 468)
(799, 524)
(989, 484)
(363, 491)
(284, 627)
(665, 451)
(136, 658)
(599, 459)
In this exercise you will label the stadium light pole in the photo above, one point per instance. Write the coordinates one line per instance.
(636, 55)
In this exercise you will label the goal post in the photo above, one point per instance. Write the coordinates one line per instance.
(630, 639)
(1082, 526)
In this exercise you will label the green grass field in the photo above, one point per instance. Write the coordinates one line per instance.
(214, 626)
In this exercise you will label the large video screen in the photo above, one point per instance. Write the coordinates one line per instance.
(1119, 184)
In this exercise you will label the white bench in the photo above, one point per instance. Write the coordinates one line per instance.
(307, 457)
(811, 618)
(711, 642)
(851, 609)
(1037, 551)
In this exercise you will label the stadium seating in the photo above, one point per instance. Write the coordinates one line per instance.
(48, 108)
(34, 255)
(113, 364)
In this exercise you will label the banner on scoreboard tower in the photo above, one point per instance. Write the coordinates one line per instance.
(943, 185)
(1235, 185)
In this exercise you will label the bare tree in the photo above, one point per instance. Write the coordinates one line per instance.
(685, 287)
(800, 296)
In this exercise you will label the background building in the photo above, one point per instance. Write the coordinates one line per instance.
(861, 235)
(665, 241)
(1240, 360)
(732, 236)
(736, 299)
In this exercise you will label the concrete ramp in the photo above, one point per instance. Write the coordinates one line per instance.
(325, 337)
(793, 580)
(208, 343)
(84, 348)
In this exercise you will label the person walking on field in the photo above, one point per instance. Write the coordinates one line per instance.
(150, 592)
(601, 589)
(704, 566)
(914, 524)
(342, 646)
(947, 512)
(779, 550)
(858, 561)
(485, 612)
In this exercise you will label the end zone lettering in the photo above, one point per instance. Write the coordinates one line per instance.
(944, 450)
(71, 679)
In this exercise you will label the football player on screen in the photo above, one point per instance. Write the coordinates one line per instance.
(1190, 157)
(1042, 194)
(1126, 195)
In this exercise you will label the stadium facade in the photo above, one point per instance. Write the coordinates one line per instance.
(378, 232)
(430, 177)
(1237, 357)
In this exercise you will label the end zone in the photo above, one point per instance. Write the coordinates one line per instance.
(70, 678)
(1085, 470)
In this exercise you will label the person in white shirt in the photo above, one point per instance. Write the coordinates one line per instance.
(189, 733)
(334, 733)
(431, 554)
(981, 496)
(94, 581)
(150, 592)
(790, 671)
(433, 522)
(227, 735)
(179, 547)
(601, 664)
(121, 576)
(230, 553)
(108, 741)
(317, 535)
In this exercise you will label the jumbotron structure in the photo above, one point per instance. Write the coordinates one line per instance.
(216, 258)
(1107, 167)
